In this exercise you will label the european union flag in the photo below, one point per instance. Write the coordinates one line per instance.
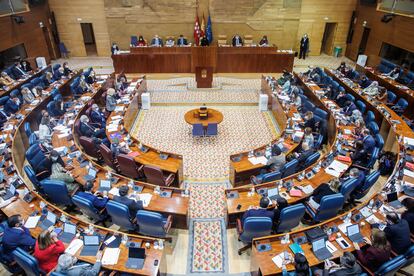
(209, 30)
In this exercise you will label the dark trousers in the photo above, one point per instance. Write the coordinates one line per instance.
(302, 53)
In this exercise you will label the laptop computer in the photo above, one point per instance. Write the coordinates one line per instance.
(273, 193)
(320, 250)
(48, 221)
(392, 199)
(91, 174)
(353, 233)
(104, 185)
(90, 245)
(69, 232)
(136, 258)
(9, 192)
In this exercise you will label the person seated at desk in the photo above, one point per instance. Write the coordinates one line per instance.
(99, 202)
(315, 77)
(372, 90)
(407, 212)
(364, 82)
(204, 41)
(287, 85)
(297, 101)
(348, 266)
(280, 204)
(133, 206)
(264, 41)
(16, 235)
(349, 108)
(376, 253)
(403, 78)
(355, 173)
(169, 42)
(283, 78)
(142, 42)
(25, 66)
(88, 130)
(341, 99)
(181, 41)
(28, 96)
(156, 41)
(301, 266)
(48, 80)
(322, 190)
(394, 73)
(45, 131)
(97, 117)
(398, 233)
(58, 172)
(309, 121)
(277, 159)
(47, 250)
(331, 93)
(57, 108)
(69, 265)
(59, 73)
(360, 155)
(66, 70)
(259, 212)
(308, 137)
(91, 78)
(356, 116)
(382, 95)
(121, 84)
(301, 156)
(12, 105)
(237, 41)
(84, 86)
(6, 80)
(18, 71)
(110, 100)
(368, 140)
(114, 48)
(116, 149)
(343, 68)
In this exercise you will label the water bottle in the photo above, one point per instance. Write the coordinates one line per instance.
(161, 244)
(90, 229)
(124, 239)
(157, 189)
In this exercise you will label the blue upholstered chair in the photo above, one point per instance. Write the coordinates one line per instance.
(119, 214)
(267, 177)
(391, 267)
(27, 85)
(27, 129)
(87, 208)
(409, 255)
(329, 207)
(153, 224)
(350, 97)
(211, 129)
(33, 139)
(57, 192)
(36, 158)
(373, 158)
(373, 127)
(320, 113)
(348, 187)
(134, 40)
(318, 142)
(253, 227)
(3, 100)
(361, 106)
(312, 159)
(289, 168)
(391, 97)
(55, 67)
(290, 217)
(33, 178)
(27, 262)
(400, 106)
(198, 130)
(369, 181)
(308, 106)
(369, 117)
(379, 141)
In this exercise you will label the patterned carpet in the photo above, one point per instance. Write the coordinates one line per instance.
(202, 195)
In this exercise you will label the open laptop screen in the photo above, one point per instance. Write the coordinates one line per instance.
(91, 240)
(136, 253)
(318, 244)
(352, 229)
(272, 192)
(105, 184)
(69, 228)
(51, 217)
(392, 197)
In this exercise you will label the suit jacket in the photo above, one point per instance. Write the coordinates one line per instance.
(86, 130)
(154, 42)
(341, 101)
(181, 41)
(26, 68)
(98, 202)
(373, 257)
(66, 71)
(360, 157)
(11, 107)
(304, 44)
(369, 143)
(348, 110)
(302, 158)
(312, 124)
(321, 191)
(258, 213)
(57, 75)
(18, 72)
(132, 205)
(237, 40)
(114, 49)
(56, 110)
(16, 237)
(399, 236)
(409, 216)
(3, 118)
(98, 118)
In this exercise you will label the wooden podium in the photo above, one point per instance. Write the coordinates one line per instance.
(204, 77)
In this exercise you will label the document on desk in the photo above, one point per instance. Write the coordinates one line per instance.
(110, 256)
(343, 227)
(308, 189)
(74, 246)
(365, 212)
(145, 198)
(119, 108)
(278, 259)
(336, 168)
(408, 173)
(31, 222)
(258, 160)
(114, 191)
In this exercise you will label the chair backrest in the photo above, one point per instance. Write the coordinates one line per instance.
(89, 146)
(33, 139)
(27, 85)
(361, 106)
(106, 154)
(211, 129)
(308, 106)
(3, 100)
(198, 130)
(154, 175)
(369, 181)
(120, 214)
(373, 158)
(402, 103)
(134, 40)
(27, 262)
(56, 67)
(27, 129)
(254, 227)
(373, 127)
(409, 255)
(370, 116)
(151, 224)
(391, 97)
(36, 157)
(272, 176)
(290, 217)
(379, 141)
(318, 142)
(312, 159)
(32, 177)
(290, 168)
(51, 108)
(350, 97)
(329, 207)
(348, 187)
(87, 208)
(392, 266)
(321, 113)
(128, 166)
(57, 192)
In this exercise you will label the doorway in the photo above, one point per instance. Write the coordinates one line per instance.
(328, 38)
(89, 39)
(364, 41)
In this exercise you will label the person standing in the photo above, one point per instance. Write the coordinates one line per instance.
(304, 46)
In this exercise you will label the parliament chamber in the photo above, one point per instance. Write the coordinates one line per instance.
(135, 142)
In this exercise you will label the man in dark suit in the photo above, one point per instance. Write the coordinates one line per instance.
(156, 41)
(89, 131)
(349, 107)
(16, 235)
(97, 117)
(25, 66)
(97, 201)
(364, 82)
(259, 212)
(12, 105)
(304, 46)
(17, 70)
(398, 233)
(181, 41)
(237, 41)
(57, 108)
(368, 140)
(132, 205)
(59, 73)
(310, 121)
(303, 155)
(3, 118)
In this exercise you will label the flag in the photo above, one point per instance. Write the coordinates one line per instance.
(196, 31)
(209, 30)
(202, 27)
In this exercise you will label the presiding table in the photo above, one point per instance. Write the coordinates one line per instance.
(214, 117)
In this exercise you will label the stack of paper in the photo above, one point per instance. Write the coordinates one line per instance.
(308, 189)
(119, 108)
(74, 246)
(146, 199)
(278, 259)
(110, 256)
(258, 160)
(408, 173)
(31, 222)
(114, 191)
(408, 141)
(336, 168)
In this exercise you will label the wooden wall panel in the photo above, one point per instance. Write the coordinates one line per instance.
(398, 32)
(28, 33)
(70, 14)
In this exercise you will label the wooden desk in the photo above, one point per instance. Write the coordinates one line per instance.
(186, 59)
(214, 117)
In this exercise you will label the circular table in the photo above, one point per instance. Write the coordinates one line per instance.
(214, 116)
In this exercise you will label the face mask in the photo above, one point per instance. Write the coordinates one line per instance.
(54, 158)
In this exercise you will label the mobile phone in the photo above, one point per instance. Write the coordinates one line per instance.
(239, 207)
(286, 255)
(155, 262)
